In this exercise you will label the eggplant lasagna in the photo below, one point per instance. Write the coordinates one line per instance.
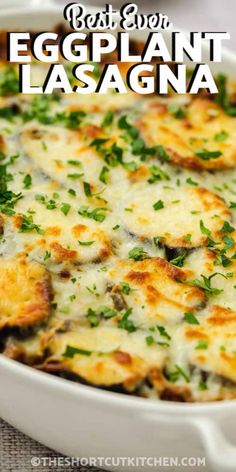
(117, 239)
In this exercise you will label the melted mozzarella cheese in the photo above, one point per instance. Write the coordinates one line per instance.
(183, 138)
(94, 218)
(174, 214)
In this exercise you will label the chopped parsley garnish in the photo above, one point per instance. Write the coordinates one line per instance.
(222, 259)
(179, 260)
(204, 230)
(138, 254)
(8, 198)
(93, 318)
(190, 181)
(187, 238)
(4, 178)
(158, 205)
(221, 136)
(87, 189)
(72, 192)
(93, 290)
(71, 351)
(202, 385)
(113, 155)
(157, 174)
(149, 340)
(229, 242)
(47, 256)
(75, 176)
(227, 228)
(27, 225)
(107, 312)
(131, 166)
(138, 146)
(161, 153)
(191, 319)
(222, 98)
(125, 288)
(157, 240)
(7, 113)
(163, 332)
(179, 372)
(49, 204)
(104, 174)
(65, 208)
(128, 209)
(125, 125)
(126, 323)
(86, 243)
(9, 82)
(108, 119)
(97, 214)
(205, 155)
(73, 119)
(73, 162)
(39, 108)
(202, 344)
(177, 111)
(205, 283)
(97, 143)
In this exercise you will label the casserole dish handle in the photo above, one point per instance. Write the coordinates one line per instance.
(220, 453)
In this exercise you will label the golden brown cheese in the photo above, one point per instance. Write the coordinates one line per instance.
(65, 236)
(212, 343)
(174, 215)
(25, 293)
(158, 291)
(106, 356)
(183, 138)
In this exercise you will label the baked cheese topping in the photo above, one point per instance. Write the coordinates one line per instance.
(117, 239)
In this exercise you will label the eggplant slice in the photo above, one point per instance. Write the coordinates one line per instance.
(26, 293)
(156, 291)
(184, 139)
(105, 355)
(174, 215)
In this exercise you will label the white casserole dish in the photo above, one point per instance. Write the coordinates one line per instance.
(82, 421)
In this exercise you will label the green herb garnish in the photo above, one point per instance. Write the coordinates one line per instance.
(138, 254)
(206, 155)
(158, 205)
(191, 319)
(71, 351)
(65, 208)
(202, 344)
